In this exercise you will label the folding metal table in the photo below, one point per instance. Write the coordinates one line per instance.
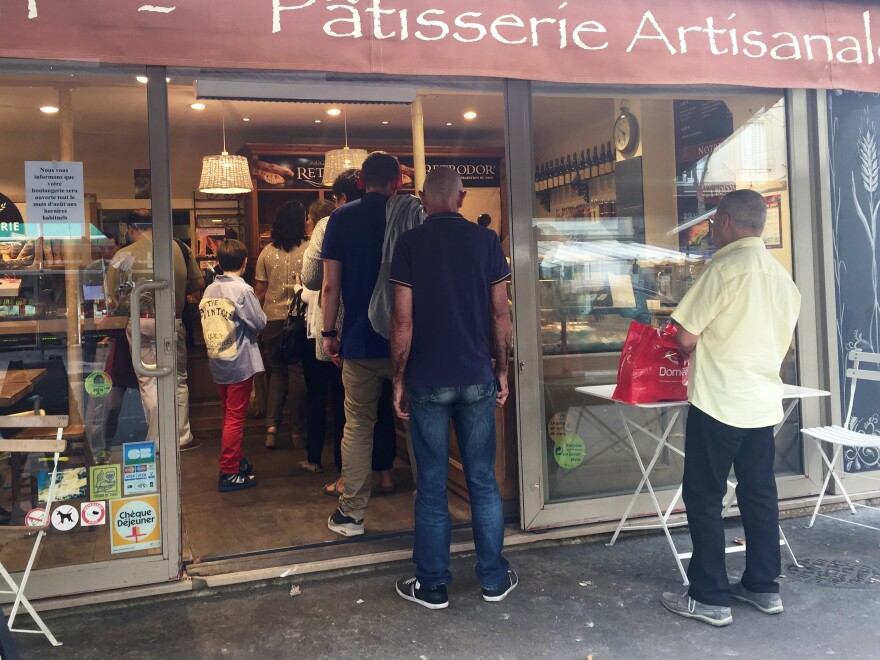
(791, 395)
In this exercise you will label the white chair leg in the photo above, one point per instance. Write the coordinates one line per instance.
(24, 602)
(830, 465)
(788, 547)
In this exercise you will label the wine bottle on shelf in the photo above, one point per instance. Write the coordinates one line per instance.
(537, 179)
(594, 169)
(566, 177)
(542, 182)
(554, 174)
(574, 167)
(588, 166)
(583, 168)
(603, 161)
(612, 158)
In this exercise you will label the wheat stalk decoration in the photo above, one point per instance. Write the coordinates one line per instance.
(869, 163)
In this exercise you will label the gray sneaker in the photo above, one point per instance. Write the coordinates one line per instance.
(686, 606)
(766, 603)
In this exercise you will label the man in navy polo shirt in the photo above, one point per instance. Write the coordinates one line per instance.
(450, 291)
(352, 255)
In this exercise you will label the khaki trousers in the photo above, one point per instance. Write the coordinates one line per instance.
(362, 380)
(148, 385)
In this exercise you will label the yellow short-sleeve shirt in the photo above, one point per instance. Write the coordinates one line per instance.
(743, 308)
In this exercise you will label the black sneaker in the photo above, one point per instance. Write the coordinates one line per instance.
(500, 592)
(245, 467)
(345, 525)
(230, 482)
(434, 599)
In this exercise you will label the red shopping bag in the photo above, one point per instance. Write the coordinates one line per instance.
(652, 368)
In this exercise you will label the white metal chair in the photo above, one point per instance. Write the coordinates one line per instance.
(844, 436)
(9, 533)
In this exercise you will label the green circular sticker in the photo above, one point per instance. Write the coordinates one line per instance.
(559, 427)
(98, 384)
(569, 452)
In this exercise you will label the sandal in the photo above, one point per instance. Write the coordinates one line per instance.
(314, 468)
(270, 440)
(332, 489)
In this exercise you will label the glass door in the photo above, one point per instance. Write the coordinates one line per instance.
(86, 297)
(617, 232)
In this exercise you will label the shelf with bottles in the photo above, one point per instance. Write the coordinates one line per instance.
(574, 171)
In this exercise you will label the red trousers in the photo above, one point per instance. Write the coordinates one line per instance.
(233, 402)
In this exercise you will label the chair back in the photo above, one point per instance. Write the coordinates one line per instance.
(857, 372)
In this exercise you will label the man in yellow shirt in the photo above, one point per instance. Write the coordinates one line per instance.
(736, 323)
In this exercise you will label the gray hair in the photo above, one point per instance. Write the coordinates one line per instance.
(747, 209)
(442, 184)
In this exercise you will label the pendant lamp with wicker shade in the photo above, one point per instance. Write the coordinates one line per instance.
(337, 161)
(225, 174)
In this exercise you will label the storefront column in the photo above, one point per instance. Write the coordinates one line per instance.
(71, 248)
(418, 137)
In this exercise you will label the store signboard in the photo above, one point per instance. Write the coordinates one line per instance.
(790, 43)
(55, 200)
(307, 172)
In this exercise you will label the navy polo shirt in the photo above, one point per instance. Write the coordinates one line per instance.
(451, 265)
(354, 236)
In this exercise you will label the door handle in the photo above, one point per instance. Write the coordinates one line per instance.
(139, 366)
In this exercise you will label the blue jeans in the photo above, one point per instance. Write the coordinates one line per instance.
(472, 409)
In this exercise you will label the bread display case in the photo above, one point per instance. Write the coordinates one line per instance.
(590, 291)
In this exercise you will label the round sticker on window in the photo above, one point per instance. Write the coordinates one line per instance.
(98, 384)
(569, 452)
(559, 427)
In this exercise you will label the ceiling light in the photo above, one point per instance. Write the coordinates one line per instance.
(225, 174)
(469, 115)
(317, 121)
(449, 123)
(384, 122)
(49, 109)
(334, 112)
(338, 160)
(197, 106)
(245, 118)
(142, 79)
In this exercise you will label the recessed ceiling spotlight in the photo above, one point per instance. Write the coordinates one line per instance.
(449, 123)
(142, 79)
(245, 118)
(334, 112)
(384, 122)
(470, 115)
(49, 109)
(317, 121)
(197, 106)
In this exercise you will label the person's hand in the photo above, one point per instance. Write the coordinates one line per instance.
(331, 348)
(503, 390)
(399, 400)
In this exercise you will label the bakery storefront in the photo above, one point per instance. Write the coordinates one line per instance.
(598, 140)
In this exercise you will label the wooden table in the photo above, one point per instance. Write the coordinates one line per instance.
(18, 383)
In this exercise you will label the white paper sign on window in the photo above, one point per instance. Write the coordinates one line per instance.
(54, 192)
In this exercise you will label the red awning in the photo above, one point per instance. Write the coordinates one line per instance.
(769, 43)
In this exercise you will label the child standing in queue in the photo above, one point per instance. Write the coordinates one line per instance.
(231, 318)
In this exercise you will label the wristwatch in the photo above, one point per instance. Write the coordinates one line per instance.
(326, 334)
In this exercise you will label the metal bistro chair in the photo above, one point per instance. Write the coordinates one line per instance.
(843, 436)
(9, 533)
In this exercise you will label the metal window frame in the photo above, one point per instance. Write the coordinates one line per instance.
(804, 134)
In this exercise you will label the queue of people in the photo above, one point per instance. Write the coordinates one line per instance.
(425, 333)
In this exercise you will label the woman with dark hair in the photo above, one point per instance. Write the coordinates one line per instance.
(278, 268)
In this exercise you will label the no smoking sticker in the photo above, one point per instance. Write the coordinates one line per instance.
(569, 452)
(559, 427)
(35, 517)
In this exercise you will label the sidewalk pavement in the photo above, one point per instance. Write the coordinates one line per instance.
(575, 600)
